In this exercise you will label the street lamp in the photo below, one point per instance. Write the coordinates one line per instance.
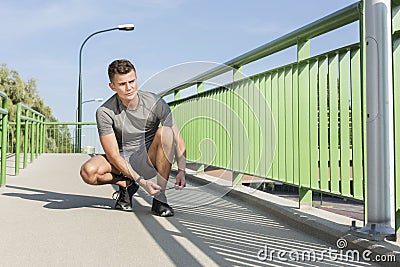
(123, 27)
(88, 101)
(93, 100)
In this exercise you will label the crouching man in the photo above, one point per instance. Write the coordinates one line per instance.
(136, 147)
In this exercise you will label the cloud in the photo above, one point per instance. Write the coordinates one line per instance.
(22, 20)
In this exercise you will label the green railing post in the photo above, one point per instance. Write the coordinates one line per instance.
(44, 135)
(177, 95)
(200, 88)
(305, 194)
(18, 138)
(4, 137)
(237, 73)
(41, 124)
(26, 139)
(42, 138)
(32, 146)
(37, 144)
(237, 177)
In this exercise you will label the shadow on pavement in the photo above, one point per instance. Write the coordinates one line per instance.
(227, 232)
(56, 200)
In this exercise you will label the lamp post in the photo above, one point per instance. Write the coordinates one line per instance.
(123, 27)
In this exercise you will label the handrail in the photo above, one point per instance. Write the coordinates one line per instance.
(64, 133)
(4, 136)
(335, 20)
(26, 118)
(69, 123)
(36, 120)
(31, 110)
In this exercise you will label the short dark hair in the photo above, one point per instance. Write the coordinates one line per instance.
(119, 66)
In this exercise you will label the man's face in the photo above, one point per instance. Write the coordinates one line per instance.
(125, 85)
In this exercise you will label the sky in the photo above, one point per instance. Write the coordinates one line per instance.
(41, 40)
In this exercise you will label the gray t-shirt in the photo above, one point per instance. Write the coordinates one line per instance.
(133, 129)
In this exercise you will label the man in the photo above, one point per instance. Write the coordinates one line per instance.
(136, 147)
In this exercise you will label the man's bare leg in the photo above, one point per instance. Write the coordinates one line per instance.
(98, 171)
(161, 154)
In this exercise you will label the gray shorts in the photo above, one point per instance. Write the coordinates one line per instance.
(140, 162)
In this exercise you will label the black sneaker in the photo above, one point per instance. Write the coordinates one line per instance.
(124, 196)
(161, 209)
(123, 203)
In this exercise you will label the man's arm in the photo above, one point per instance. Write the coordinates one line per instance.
(165, 115)
(110, 146)
(180, 155)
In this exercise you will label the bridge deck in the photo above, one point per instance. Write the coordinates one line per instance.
(49, 217)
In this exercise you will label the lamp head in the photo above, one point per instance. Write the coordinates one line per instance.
(126, 27)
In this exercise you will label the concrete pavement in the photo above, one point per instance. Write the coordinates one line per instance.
(49, 217)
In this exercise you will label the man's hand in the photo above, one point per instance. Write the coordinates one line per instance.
(180, 181)
(150, 187)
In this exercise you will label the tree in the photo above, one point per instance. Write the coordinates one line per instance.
(19, 91)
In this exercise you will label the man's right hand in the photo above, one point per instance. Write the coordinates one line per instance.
(151, 188)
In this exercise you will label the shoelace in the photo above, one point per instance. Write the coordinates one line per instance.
(116, 195)
(168, 188)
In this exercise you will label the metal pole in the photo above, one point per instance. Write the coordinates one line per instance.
(124, 27)
(379, 94)
(78, 131)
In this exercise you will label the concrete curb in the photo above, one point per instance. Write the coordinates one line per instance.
(307, 220)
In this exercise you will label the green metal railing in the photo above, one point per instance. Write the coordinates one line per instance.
(312, 118)
(32, 137)
(4, 135)
(309, 101)
(60, 137)
(314, 138)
